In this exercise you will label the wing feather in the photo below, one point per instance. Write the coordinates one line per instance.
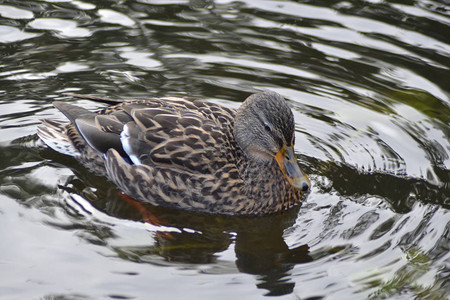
(188, 135)
(173, 136)
(109, 123)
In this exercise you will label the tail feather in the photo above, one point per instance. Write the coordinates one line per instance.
(72, 111)
(53, 133)
(96, 98)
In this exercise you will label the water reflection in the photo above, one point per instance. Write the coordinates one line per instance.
(258, 243)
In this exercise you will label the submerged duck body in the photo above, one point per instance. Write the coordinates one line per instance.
(188, 154)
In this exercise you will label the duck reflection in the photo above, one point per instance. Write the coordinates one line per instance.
(258, 241)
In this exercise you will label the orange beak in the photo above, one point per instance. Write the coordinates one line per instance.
(288, 164)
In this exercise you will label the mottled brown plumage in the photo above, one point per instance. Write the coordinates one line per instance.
(188, 153)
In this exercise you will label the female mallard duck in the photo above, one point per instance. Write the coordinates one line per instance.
(188, 153)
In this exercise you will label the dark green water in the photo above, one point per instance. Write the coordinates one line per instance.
(369, 84)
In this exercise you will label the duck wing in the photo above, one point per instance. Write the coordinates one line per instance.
(183, 139)
(177, 133)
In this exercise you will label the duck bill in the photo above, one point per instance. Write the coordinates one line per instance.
(288, 164)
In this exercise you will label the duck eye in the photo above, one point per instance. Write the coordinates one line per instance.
(267, 127)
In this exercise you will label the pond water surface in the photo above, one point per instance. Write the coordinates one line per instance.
(369, 84)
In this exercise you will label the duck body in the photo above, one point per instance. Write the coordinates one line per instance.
(187, 153)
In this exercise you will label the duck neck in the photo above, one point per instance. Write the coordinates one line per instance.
(266, 185)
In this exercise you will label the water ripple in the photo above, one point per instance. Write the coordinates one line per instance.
(64, 28)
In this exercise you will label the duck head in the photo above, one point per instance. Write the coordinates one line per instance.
(264, 130)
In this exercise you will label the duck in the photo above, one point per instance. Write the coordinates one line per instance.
(187, 153)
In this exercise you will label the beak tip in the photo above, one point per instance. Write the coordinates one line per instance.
(302, 184)
(305, 187)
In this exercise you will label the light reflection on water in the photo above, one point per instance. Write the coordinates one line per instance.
(368, 84)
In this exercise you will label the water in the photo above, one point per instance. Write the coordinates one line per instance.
(369, 85)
